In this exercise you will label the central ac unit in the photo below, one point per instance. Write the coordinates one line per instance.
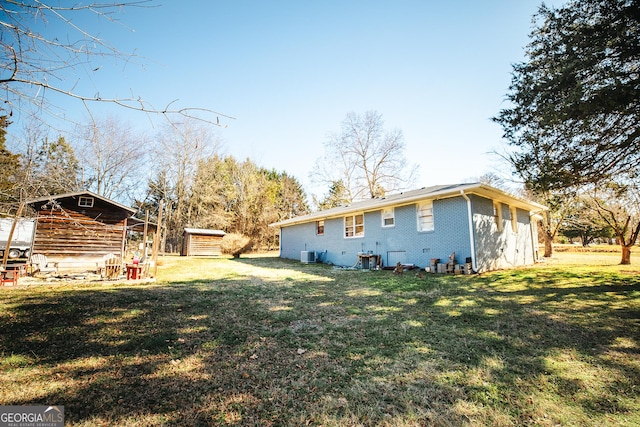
(307, 257)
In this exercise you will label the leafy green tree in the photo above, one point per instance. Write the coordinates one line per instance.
(59, 169)
(575, 113)
(286, 199)
(212, 197)
(9, 167)
(286, 195)
(243, 198)
(337, 196)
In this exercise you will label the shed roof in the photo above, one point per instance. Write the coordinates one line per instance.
(204, 232)
(78, 194)
(408, 197)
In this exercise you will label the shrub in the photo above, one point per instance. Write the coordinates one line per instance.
(236, 244)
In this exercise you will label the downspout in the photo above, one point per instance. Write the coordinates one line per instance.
(533, 226)
(472, 241)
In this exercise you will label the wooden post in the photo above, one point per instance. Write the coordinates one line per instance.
(144, 234)
(123, 244)
(5, 257)
(156, 241)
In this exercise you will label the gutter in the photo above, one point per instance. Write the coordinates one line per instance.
(402, 199)
(392, 200)
(471, 238)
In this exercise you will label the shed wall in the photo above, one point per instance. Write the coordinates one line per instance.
(201, 245)
(78, 237)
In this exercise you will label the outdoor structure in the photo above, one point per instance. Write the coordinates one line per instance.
(76, 230)
(198, 241)
(482, 227)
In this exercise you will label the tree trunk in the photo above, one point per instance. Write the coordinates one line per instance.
(548, 245)
(547, 234)
(626, 255)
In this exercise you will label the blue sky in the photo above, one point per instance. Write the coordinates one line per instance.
(290, 71)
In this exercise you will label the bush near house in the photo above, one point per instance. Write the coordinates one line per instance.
(236, 244)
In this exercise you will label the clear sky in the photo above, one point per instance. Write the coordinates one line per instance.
(289, 72)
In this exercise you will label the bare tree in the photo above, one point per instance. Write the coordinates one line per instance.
(44, 52)
(176, 156)
(111, 158)
(619, 206)
(368, 160)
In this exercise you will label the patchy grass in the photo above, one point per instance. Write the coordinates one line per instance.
(263, 341)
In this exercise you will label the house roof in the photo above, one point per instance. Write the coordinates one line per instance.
(204, 231)
(409, 197)
(78, 194)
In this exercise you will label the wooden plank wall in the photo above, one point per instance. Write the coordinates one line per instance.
(203, 245)
(89, 232)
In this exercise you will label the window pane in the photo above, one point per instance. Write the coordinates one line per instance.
(425, 216)
(354, 226)
(387, 217)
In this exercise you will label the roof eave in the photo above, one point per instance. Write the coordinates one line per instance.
(79, 193)
(474, 188)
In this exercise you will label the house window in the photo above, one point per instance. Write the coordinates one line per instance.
(388, 217)
(497, 214)
(354, 226)
(514, 219)
(320, 227)
(425, 216)
(85, 202)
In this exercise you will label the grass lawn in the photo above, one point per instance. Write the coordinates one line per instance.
(262, 341)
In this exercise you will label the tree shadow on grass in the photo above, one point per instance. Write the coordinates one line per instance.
(331, 348)
(517, 328)
(105, 348)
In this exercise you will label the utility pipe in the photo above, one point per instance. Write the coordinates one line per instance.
(472, 241)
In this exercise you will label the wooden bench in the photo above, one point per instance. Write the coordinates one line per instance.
(40, 264)
(111, 268)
